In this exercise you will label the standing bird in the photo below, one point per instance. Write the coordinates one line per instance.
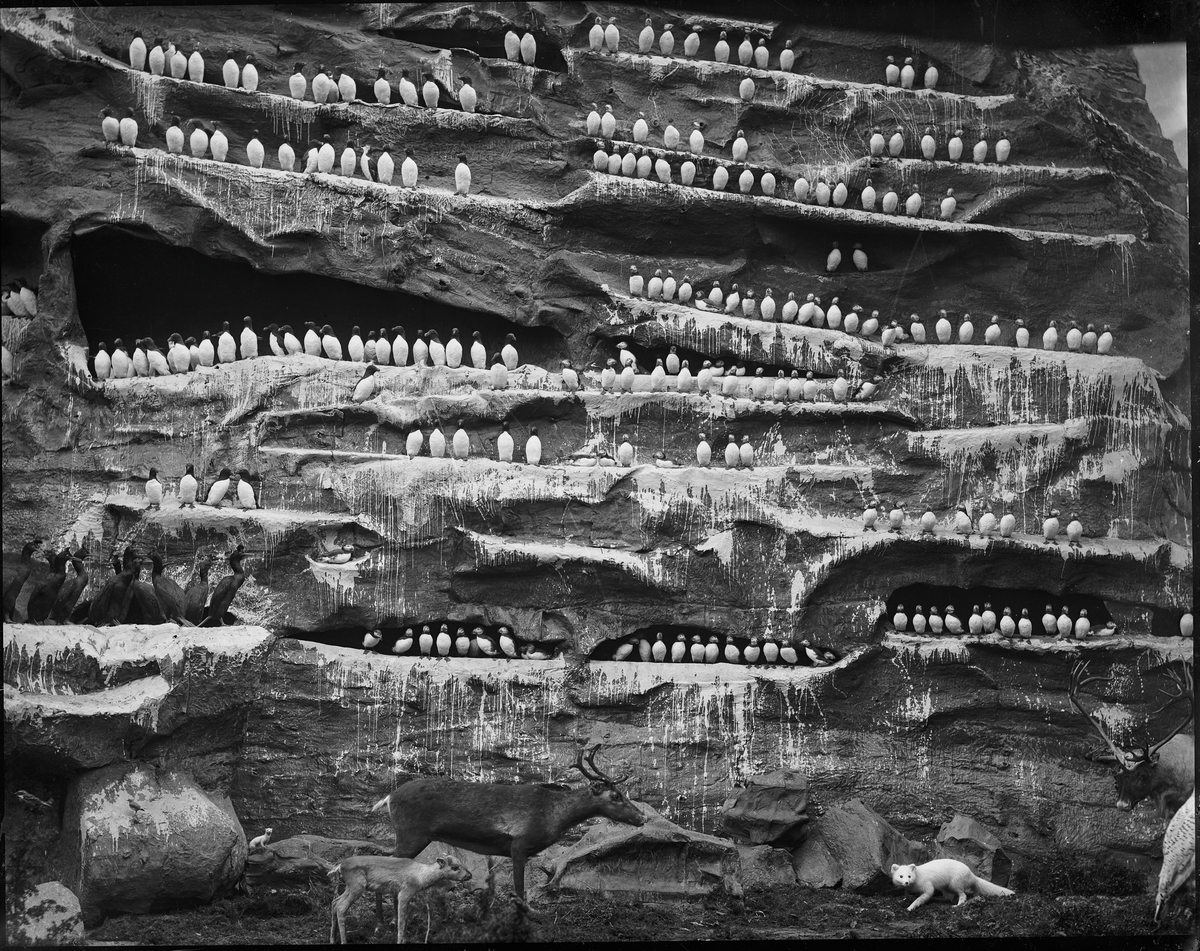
(834, 259)
(896, 143)
(110, 126)
(443, 641)
(646, 38)
(297, 84)
(1050, 337)
(509, 352)
(966, 330)
(504, 443)
(69, 592)
(250, 75)
(1104, 342)
(1050, 527)
(891, 72)
(249, 340)
(1003, 148)
(625, 453)
(462, 176)
(512, 46)
(171, 597)
(907, 75)
(255, 153)
(188, 486)
(129, 129)
(860, 257)
(533, 448)
(460, 446)
(195, 66)
(245, 491)
(596, 36)
(948, 205)
(787, 58)
(227, 588)
(178, 63)
(154, 490)
(347, 87)
(979, 153)
(612, 36)
(230, 71)
(157, 58)
(219, 144)
(137, 52)
(466, 96)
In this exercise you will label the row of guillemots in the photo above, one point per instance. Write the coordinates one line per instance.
(984, 622)
(767, 649)
(503, 644)
(54, 598)
(964, 524)
(164, 58)
(742, 303)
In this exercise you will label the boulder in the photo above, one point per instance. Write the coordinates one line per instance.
(856, 845)
(965, 839)
(769, 810)
(47, 915)
(764, 865)
(139, 839)
(656, 859)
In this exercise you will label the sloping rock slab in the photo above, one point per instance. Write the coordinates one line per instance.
(965, 839)
(49, 915)
(853, 840)
(302, 859)
(763, 865)
(144, 840)
(656, 859)
(769, 810)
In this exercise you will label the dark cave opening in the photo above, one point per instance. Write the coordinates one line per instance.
(965, 599)
(21, 239)
(486, 43)
(352, 638)
(129, 285)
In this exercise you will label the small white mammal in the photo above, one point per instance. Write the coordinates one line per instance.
(943, 875)
(260, 841)
(383, 873)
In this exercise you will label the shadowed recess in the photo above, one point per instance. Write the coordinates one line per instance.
(129, 286)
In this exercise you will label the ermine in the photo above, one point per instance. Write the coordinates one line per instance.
(260, 841)
(945, 876)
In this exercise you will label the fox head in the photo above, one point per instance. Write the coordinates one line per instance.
(903, 874)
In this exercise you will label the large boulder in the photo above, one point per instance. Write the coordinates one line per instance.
(141, 839)
(47, 915)
(965, 839)
(854, 846)
(769, 810)
(658, 858)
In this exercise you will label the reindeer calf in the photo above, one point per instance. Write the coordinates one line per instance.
(383, 873)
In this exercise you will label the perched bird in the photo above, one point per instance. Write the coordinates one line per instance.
(891, 72)
(625, 452)
(834, 259)
(110, 127)
(129, 129)
(928, 523)
(860, 257)
(245, 491)
(955, 146)
(195, 66)
(746, 453)
(512, 46)
(425, 641)
(658, 649)
(533, 448)
(218, 490)
(462, 176)
(666, 41)
(430, 92)
(625, 651)
(413, 442)
(1074, 530)
(900, 619)
(297, 83)
(227, 588)
(1063, 625)
(230, 71)
(443, 641)
(721, 50)
(1050, 527)
(1024, 624)
(1050, 337)
(896, 143)
(787, 58)
(461, 444)
(154, 490)
(1104, 342)
(712, 650)
(507, 645)
(952, 621)
(407, 89)
(366, 386)
(918, 621)
(612, 36)
(504, 443)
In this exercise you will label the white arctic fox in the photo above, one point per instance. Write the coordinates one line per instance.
(943, 875)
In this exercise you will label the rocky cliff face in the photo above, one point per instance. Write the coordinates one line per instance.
(1085, 223)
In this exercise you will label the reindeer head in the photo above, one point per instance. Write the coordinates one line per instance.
(451, 870)
(1135, 768)
(610, 801)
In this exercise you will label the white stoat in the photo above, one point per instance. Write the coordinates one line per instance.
(943, 875)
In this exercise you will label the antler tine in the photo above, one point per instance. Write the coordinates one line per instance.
(603, 776)
(579, 765)
(1186, 688)
(1077, 681)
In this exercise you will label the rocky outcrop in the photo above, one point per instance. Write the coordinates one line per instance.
(852, 846)
(655, 859)
(770, 810)
(965, 839)
(140, 840)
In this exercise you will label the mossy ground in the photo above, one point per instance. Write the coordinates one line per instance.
(765, 913)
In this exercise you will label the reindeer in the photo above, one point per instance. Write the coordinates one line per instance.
(403, 877)
(498, 818)
(1164, 772)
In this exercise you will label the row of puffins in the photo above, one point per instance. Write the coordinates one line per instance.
(476, 644)
(53, 595)
(984, 622)
(768, 649)
(742, 303)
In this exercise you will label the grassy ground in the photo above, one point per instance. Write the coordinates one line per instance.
(766, 913)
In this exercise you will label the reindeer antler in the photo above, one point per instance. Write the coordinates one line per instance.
(1079, 680)
(580, 765)
(600, 774)
(1184, 687)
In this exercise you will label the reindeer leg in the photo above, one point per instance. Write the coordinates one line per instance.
(518, 859)
(403, 896)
